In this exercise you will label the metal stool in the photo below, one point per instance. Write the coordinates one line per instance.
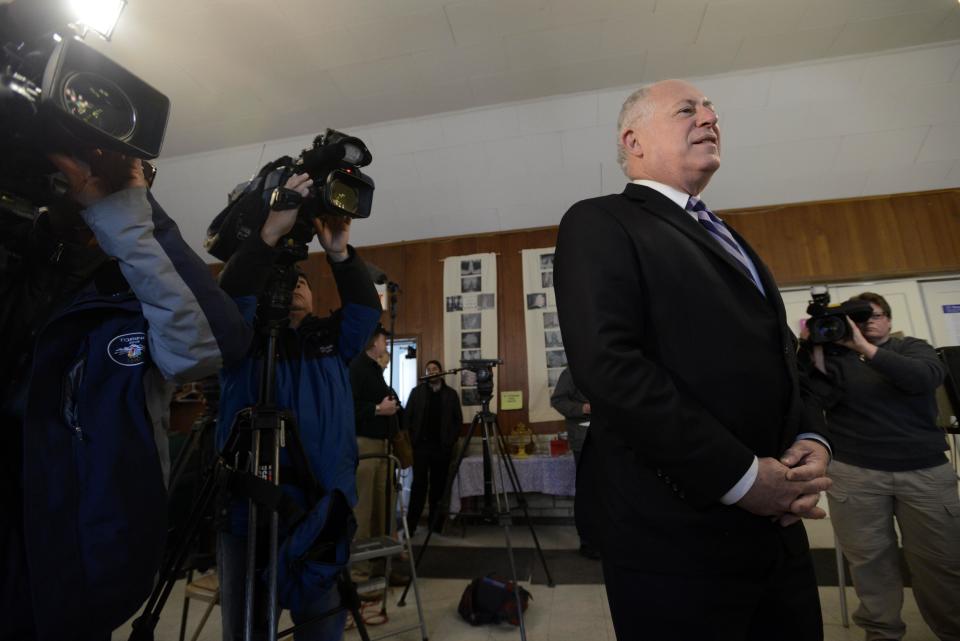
(206, 589)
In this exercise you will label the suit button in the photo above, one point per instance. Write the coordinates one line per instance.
(659, 473)
(666, 479)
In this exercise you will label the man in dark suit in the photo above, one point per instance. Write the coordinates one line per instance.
(701, 457)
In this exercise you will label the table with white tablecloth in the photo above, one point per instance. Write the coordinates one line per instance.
(554, 475)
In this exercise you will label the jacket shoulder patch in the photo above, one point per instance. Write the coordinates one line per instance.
(128, 350)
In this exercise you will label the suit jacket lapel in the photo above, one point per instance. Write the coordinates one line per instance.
(664, 208)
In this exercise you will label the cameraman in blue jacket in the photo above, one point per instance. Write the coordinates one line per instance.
(103, 304)
(312, 380)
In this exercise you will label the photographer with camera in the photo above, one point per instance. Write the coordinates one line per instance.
(889, 465)
(104, 302)
(311, 380)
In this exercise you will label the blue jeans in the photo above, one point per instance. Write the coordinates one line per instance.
(231, 567)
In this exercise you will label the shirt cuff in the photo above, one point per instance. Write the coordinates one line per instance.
(743, 485)
(813, 436)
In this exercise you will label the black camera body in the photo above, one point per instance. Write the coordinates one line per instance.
(59, 94)
(828, 323)
(339, 189)
(483, 368)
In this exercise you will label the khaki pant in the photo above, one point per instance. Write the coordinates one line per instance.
(925, 504)
(374, 495)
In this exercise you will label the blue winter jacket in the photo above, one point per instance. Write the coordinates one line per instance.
(313, 379)
(93, 500)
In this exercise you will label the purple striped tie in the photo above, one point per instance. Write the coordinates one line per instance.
(720, 232)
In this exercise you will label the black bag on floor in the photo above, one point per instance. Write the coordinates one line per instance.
(492, 599)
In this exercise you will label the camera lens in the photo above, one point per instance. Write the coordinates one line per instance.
(830, 328)
(99, 103)
(344, 196)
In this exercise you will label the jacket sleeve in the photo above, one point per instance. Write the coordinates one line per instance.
(194, 327)
(412, 414)
(601, 301)
(458, 411)
(248, 270)
(915, 368)
(360, 304)
(363, 408)
(563, 399)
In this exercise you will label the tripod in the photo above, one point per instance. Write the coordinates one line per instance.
(485, 422)
(255, 475)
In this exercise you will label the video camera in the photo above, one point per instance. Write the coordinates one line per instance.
(483, 368)
(59, 94)
(339, 188)
(828, 323)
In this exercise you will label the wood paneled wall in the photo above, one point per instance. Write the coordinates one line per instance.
(828, 241)
(856, 239)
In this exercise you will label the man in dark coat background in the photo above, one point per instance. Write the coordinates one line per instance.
(434, 418)
(701, 457)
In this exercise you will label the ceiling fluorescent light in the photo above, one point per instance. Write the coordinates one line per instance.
(100, 16)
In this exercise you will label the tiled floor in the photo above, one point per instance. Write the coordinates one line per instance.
(563, 613)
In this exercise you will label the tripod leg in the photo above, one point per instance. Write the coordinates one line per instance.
(516, 580)
(186, 609)
(273, 441)
(251, 561)
(503, 507)
(521, 500)
(145, 624)
(351, 601)
(435, 518)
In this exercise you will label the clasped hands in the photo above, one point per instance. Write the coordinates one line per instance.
(788, 489)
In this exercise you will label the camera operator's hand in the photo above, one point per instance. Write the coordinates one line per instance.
(333, 232)
(103, 173)
(857, 342)
(387, 407)
(279, 223)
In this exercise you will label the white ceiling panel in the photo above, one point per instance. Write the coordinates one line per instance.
(761, 125)
(699, 60)
(823, 82)
(909, 177)
(892, 73)
(752, 17)
(880, 149)
(767, 49)
(474, 21)
(555, 115)
(479, 125)
(890, 32)
(234, 67)
(590, 146)
(942, 143)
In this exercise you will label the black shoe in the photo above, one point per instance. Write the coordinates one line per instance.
(587, 551)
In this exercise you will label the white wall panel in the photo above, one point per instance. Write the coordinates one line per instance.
(848, 127)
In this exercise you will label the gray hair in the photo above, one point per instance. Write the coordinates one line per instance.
(634, 108)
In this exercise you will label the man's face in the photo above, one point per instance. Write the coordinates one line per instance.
(302, 300)
(432, 369)
(877, 328)
(379, 346)
(678, 141)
